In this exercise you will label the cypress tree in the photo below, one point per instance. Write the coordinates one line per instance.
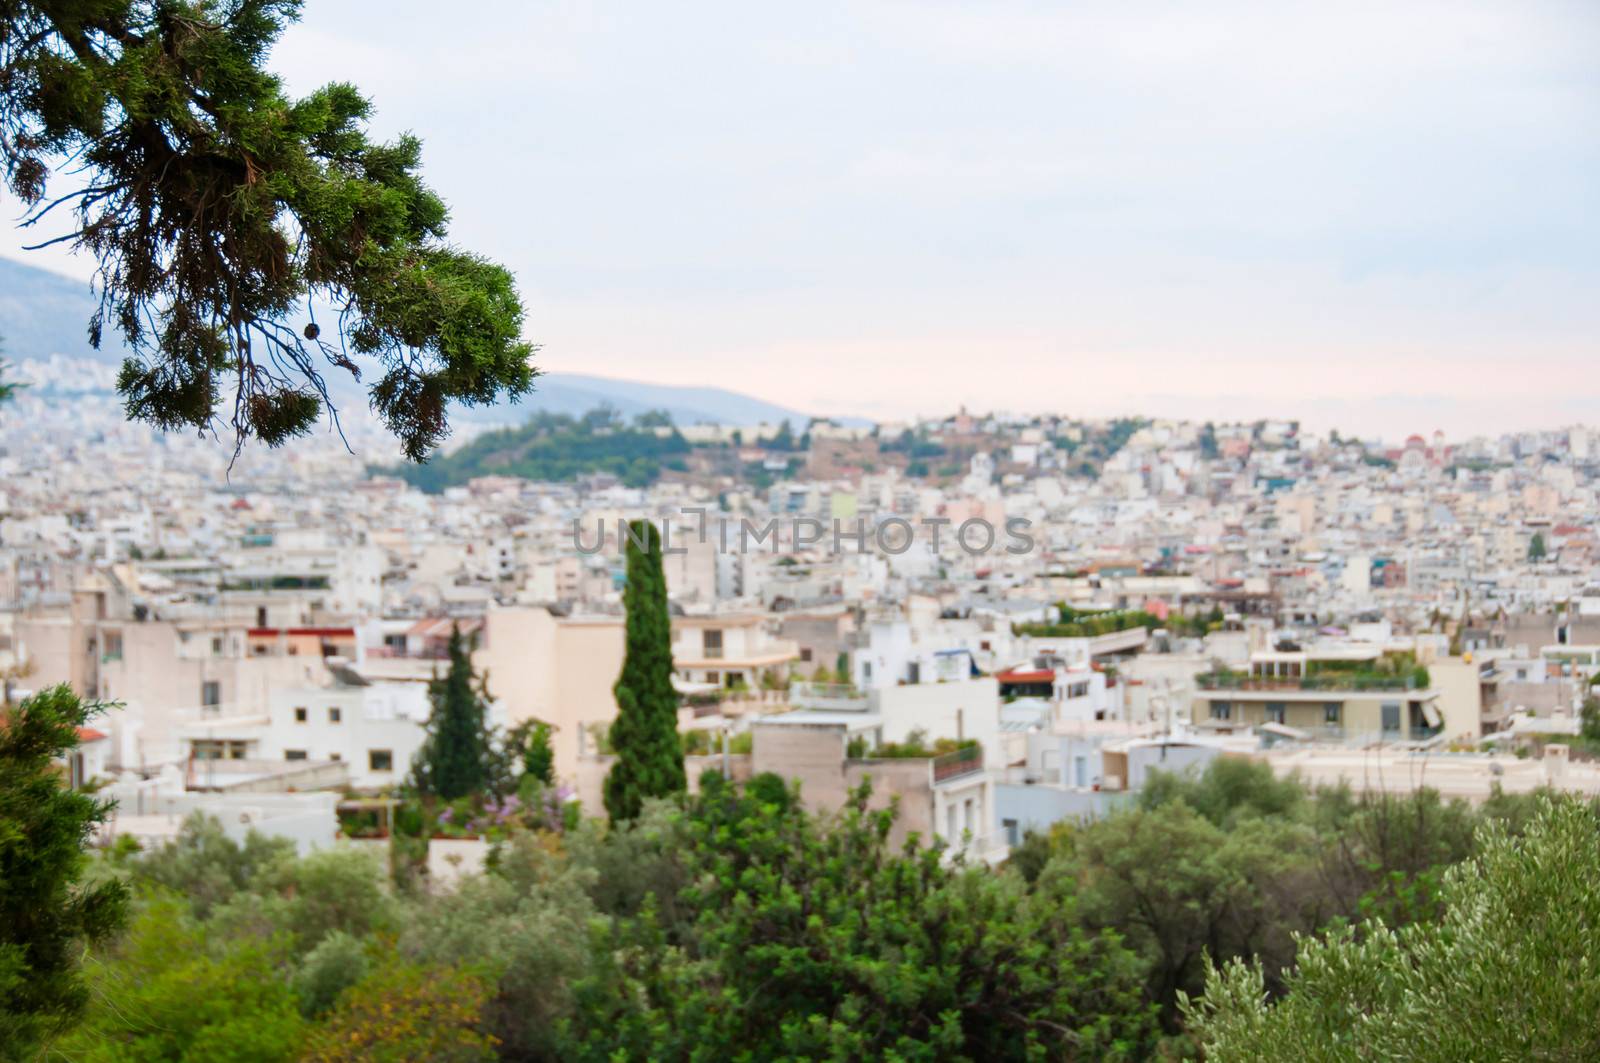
(645, 734)
(457, 756)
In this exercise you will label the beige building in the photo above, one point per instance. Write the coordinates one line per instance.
(165, 674)
(729, 650)
(1338, 693)
(552, 668)
(950, 798)
(560, 669)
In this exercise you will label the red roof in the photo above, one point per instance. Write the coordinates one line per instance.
(1041, 675)
(89, 734)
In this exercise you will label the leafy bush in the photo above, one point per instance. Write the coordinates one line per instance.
(338, 962)
(405, 1012)
(1506, 973)
(170, 990)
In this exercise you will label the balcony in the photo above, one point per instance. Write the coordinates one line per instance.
(947, 759)
(957, 764)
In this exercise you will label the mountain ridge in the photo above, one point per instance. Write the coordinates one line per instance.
(44, 313)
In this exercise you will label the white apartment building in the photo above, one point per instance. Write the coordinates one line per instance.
(375, 729)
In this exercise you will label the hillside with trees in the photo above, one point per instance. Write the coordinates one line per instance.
(554, 447)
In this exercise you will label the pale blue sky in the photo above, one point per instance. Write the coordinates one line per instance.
(1381, 216)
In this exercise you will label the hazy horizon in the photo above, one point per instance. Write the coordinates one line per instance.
(1376, 217)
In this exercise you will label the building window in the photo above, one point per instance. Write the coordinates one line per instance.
(713, 643)
(951, 832)
(1333, 714)
(217, 749)
(335, 715)
(210, 693)
(335, 756)
(1013, 832)
(1275, 711)
(805, 653)
(1391, 716)
(216, 645)
(713, 677)
(294, 754)
(300, 714)
(380, 760)
(1221, 710)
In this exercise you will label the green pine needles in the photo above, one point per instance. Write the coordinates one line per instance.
(645, 735)
(47, 909)
(457, 758)
(220, 210)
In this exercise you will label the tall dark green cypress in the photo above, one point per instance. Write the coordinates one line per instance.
(457, 755)
(645, 735)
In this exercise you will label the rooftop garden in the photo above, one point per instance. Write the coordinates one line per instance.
(1390, 671)
(703, 742)
(1088, 623)
(915, 747)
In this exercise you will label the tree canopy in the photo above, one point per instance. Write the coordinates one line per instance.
(46, 911)
(736, 923)
(1507, 972)
(807, 937)
(220, 211)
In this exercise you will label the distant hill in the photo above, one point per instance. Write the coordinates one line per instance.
(554, 447)
(576, 394)
(43, 313)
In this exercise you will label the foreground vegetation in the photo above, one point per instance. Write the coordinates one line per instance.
(737, 925)
(1233, 915)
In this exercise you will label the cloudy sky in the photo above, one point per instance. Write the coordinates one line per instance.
(1376, 216)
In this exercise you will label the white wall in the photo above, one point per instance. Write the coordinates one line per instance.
(384, 716)
(966, 709)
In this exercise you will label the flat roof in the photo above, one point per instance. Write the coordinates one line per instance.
(849, 721)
